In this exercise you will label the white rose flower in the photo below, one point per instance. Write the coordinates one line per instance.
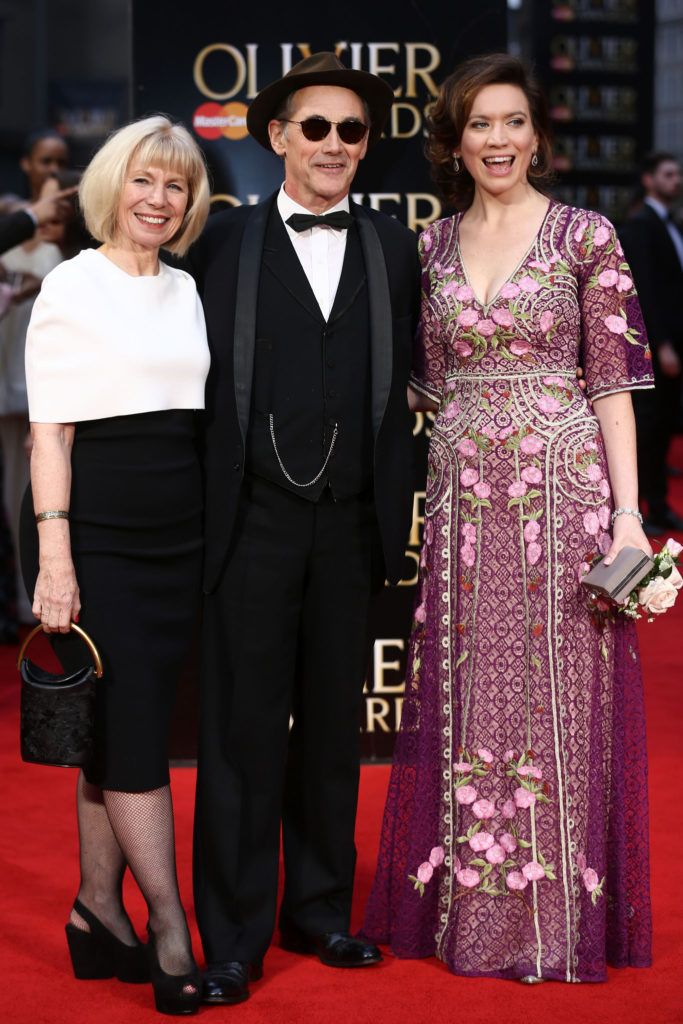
(658, 596)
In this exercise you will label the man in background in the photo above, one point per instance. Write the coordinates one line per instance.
(653, 246)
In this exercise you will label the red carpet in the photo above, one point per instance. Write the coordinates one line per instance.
(39, 875)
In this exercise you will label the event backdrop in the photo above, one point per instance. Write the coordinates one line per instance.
(207, 71)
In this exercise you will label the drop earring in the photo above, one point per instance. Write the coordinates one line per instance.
(534, 160)
(456, 165)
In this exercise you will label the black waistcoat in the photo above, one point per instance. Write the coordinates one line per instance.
(310, 374)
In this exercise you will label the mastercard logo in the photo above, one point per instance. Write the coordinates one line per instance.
(211, 120)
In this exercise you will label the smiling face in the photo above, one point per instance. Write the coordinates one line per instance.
(151, 208)
(319, 174)
(498, 140)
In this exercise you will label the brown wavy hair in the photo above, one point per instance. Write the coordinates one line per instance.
(453, 105)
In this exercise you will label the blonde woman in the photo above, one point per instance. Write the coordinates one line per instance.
(116, 363)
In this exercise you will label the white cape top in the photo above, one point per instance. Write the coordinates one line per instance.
(102, 343)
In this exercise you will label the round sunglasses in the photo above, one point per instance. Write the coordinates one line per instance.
(315, 129)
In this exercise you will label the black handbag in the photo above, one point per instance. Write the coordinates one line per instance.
(57, 711)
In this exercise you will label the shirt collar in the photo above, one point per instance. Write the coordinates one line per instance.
(659, 208)
(287, 206)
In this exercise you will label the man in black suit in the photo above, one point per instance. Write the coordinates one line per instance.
(653, 246)
(309, 492)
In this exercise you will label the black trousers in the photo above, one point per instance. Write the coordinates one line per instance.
(657, 412)
(285, 634)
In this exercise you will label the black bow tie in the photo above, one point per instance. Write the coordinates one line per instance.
(340, 219)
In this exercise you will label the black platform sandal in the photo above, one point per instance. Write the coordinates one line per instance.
(169, 989)
(99, 954)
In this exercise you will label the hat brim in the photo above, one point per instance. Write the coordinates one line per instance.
(376, 93)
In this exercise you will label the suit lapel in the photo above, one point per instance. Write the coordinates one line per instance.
(248, 275)
(381, 331)
(280, 258)
(352, 276)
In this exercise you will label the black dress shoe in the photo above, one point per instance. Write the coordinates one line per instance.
(227, 981)
(334, 949)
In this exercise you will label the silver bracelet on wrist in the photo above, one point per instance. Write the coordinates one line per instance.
(627, 512)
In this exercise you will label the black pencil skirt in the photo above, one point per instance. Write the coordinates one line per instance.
(135, 524)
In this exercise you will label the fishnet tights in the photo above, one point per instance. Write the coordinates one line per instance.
(135, 830)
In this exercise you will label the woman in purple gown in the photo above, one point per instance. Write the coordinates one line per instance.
(514, 842)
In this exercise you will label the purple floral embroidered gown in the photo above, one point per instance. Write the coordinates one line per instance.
(515, 836)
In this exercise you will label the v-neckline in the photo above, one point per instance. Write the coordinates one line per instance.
(487, 305)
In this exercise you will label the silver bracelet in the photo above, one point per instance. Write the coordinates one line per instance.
(52, 513)
(627, 512)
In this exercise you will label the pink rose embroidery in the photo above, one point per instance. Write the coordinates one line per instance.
(581, 230)
(468, 877)
(602, 235)
(451, 411)
(548, 404)
(532, 474)
(508, 842)
(469, 532)
(427, 241)
(466, 448)
(509, 809)
(485, 755)
(496, 854)
(516, 881)
(608, 278)
(616, 324)
(531, 532)
(509, 291)
(420, 613)
(450, 288)
(524, 797)
(531, 445)
(581, 862)
(604, 517)
(605, 488)
(624, 283)
(520, 348)
(461, 766)
(465, 794)
(464, 293)
(468, 477)
(533, 553)
(503, 317)
(528, 284)
(554, 381)
(468, 555)
(591, 524)
(468, 318)
(528, 771)
(604, 543)
(486, 328)
(425, 872)
(547, 320)
(533, 871)
(517, 489)
(509, 755)
(436, 857)
(539, 265)
(590, 879)
(481, 841)
(593, 472)
(463, 349)
(482, 490)
(483, 809)
(506, 432)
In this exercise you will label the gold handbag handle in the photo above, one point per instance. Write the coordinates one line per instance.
(76, 629)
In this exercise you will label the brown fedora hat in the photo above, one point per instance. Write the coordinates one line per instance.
(320, 69)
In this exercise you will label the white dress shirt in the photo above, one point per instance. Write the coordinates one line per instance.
(320, 250)
(662, 211)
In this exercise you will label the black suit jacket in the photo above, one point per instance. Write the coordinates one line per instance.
(15, 228)
(226, 263)
(657, 274)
